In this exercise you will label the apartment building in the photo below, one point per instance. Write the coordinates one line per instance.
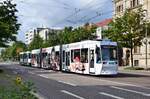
(29, 35)
(141, 55)
(43, 33)
(121, 5)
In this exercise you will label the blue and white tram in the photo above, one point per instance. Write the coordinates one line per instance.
(90, 57)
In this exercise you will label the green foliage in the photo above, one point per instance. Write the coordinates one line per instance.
(128, 30)
(13, 51)
(36, 43)
(19, 90)
(8, 22)
(70, 35)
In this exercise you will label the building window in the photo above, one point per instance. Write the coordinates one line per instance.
(136, 49)
(136, 62)
(119, 8)
(134, 3)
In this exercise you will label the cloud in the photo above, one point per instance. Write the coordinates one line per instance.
(59, 13)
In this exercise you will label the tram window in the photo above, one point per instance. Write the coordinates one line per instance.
(67, 58)
(84, 55)
(113, 54)
(29, 55)
(33, 55)
(91, 58)
(63, 56)
(77, 54)
(57, 53)
(98, 55)
(72, 56)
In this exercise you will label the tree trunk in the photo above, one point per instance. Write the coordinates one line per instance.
(131, 53)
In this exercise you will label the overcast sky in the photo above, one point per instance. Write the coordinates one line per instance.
(60, 13)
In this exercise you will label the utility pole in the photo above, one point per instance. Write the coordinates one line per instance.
(146, 47)
(146, 40)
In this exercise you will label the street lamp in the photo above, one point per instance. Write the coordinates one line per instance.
(146, 40)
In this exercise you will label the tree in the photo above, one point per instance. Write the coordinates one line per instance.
(128, 30)
(36, 43)
(13, 51)
(8, 22)
(70, 35)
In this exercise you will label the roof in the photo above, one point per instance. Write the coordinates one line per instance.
(104, 22)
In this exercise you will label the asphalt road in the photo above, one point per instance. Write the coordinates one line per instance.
(58, 85)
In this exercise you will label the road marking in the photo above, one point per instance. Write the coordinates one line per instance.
(133, 91)
(110, 95)
(15, 72)
(74, 95)
(31, 72)
(67, 83)
(44, 76)
(120, 83)
(39, 96)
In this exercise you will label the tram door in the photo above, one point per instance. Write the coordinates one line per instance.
(92, 69)
(67, 59)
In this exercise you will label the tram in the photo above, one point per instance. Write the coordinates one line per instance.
(85, 57)
(90, 57)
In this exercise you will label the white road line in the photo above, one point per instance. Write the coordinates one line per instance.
(39, 96)
(133, 91)
(74, 95)
(67, 83)
(44, 76)
(120, 83)
(110, 95)
(31, 72)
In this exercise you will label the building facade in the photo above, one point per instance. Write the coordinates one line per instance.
(141, 55)
(29, 35)
(120, 6)
(43, 33)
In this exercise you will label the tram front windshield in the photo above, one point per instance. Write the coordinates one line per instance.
(109, 53)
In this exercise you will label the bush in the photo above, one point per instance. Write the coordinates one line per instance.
(134, 68)
(19, 90)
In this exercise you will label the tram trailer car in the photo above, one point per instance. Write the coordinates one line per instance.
(35, 58)
(46, 53)
(51, 58)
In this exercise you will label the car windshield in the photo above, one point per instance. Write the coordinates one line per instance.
(109, 53)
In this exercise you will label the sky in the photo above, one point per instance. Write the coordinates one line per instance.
(60, 13)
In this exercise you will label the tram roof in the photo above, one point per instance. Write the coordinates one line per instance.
(35, 51)
(89, 44)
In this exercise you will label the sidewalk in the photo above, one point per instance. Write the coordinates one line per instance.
(138, 72)
(8, 62)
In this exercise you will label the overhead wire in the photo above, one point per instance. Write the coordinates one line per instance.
(82, 9)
